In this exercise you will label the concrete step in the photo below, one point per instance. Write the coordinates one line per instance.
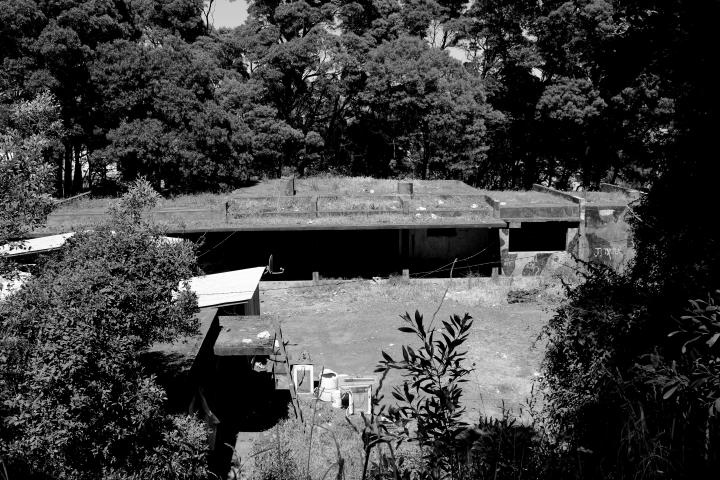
(282, 382)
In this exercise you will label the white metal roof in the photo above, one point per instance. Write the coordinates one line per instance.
(34, 245)
(51, 242)
(227, 288)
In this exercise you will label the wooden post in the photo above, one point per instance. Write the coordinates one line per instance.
(290, 187)
(405, 206)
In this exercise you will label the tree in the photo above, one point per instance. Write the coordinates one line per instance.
(163, 121)
(431, 391)
(29, 130)
(630, 369)
(614, 49)
(75, 401)
(431, 112)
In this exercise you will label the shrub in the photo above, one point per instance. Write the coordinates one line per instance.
(332, 450)
(74, 399)
(429, 414)
(626, 393)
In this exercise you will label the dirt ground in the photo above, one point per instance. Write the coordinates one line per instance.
(344, 326)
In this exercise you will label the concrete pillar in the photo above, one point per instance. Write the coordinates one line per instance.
(583, 247)
(504, 238)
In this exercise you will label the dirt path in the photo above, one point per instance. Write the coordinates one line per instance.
(345, 327)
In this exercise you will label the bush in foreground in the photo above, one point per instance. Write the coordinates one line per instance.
(74, 399)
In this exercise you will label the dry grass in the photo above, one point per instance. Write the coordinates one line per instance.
(262, 205)
(605, 198)
(476, 203)
(341, 185)
(525, 197)
(345, 326)
(294, 436)
(344, 203)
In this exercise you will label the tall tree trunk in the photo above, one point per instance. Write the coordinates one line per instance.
(426, 153)
(90, 172)
(77, 178)
(59, 176)
(67, 186)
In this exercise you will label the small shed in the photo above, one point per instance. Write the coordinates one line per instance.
(236, 292)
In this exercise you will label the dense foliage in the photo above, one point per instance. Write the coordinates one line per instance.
(500, 93)
(631, 368)
(28, 129)
(423, 433)
(74, 399)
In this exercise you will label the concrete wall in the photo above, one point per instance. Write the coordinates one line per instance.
(604, 236)
(607, 239)
(608, 236)
(534, 263)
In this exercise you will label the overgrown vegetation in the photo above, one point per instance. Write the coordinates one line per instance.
(28, 131)
(74, 400)
(554, 91)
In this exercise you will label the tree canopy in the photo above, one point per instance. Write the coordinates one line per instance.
(499, 93)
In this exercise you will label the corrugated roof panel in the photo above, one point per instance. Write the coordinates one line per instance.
(34, 245)
(227, 288)
(51, 242)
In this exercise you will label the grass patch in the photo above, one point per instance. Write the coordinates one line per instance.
(525, 197)
(344, 325)
(344, 203)
(605, 198)
(287, 452)
(240, 207)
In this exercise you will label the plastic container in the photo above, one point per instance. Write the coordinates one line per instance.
(328, 380)
(330, 395)
(336, 397)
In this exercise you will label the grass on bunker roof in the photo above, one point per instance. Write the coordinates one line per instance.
(525, 197)
(343, 185)
(606, 198)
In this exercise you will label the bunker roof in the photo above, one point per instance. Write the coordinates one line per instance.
(188, 346)
(607, 198)
(320, 203)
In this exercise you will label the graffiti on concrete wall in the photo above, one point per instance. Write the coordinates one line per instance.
(609, 236)
(609, 253)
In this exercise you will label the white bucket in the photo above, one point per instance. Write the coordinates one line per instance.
(328, 380)
(326, 395)
(336, 397)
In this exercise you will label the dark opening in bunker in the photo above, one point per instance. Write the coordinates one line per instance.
(539, 236)
(350, 253)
